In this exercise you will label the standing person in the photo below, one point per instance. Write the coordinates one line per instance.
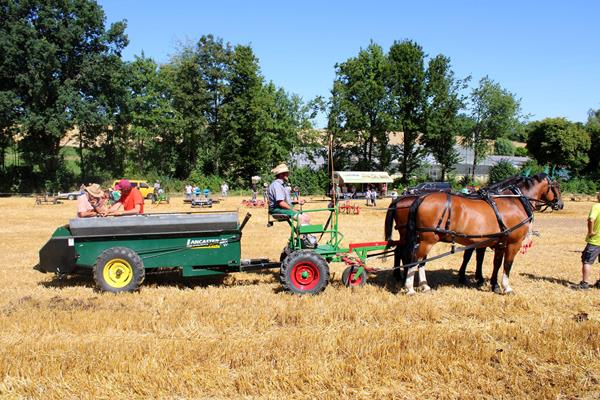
(296, 193)
(206, 193)
(265, 192)
(383, 190)
(368, 196)
(156, 187)
(224, 189)
(254, 192)
(188, 191)
(131, 200)
(394, 194)
(280, 200)
(591, 252)
(92, 202)
(374, 197)
(196, 192)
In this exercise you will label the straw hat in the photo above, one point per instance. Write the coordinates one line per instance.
(280, 169)
(94, 190)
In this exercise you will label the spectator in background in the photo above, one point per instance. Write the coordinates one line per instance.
(188, 191)
(131, 201)
(374, 197)
(196, 192)
(394, 194)
(224, 189)
(206, 193)
(383, 190)
(254, 189)
(368, 196)
(265, 192)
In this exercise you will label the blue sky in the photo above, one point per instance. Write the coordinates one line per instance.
(546, 52)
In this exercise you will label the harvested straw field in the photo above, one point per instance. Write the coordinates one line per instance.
(244, 338)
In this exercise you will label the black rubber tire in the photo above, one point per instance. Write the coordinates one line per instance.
(292, 278)
(71, 197)
(285, 253)
(362, 279)
(131, 258)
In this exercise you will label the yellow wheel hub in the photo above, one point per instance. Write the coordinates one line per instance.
(117, 273)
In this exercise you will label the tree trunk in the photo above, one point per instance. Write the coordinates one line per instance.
(474, 164)
(81, 160)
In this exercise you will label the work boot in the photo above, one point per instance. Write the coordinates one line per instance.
(583, 285)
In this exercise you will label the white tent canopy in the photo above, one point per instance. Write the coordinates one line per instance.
(346, 177)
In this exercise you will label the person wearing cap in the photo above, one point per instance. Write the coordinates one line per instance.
(131, 200)
(279, 193)
(91, 202)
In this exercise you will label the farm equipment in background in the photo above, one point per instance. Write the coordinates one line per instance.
(254, 204)
(349, 208)
(45, 199)
(201, 203)
(160, 197)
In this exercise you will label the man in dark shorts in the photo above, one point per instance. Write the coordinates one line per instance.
(591, 252)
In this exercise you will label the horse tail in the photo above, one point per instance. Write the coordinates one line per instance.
(389, 222)
(411, 229)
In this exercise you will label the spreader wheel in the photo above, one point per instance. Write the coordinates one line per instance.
(349, 277)
(304, 272)
(119, 269)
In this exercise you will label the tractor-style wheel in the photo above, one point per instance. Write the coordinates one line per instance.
(118, 269)
(70, 197)
(285, 253)
(349, 279)
(304, 272)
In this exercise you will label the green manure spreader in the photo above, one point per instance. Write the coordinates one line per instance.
(120, 251)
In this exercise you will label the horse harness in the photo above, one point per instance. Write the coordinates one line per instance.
(489, 199)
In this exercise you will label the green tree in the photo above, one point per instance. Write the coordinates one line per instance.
(445, 101)
(504, 147)
(495, 112)
(360, 114)
(407, 85)
(45, 49)
(559, 142)
(213, 59)
(593, 128)
(501, 171)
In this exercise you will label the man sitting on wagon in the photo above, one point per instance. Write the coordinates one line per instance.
(131, 200)
(91, 202)
(280, 199)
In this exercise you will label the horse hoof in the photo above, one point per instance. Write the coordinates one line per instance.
(480, 283)
(425, 288)
(411, 293)
(509, 292)
(497, 289)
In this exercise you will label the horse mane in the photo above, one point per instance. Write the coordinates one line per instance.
(514, 181)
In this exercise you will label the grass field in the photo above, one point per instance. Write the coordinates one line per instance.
(244, 339)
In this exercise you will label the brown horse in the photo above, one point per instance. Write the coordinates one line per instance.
(500, 222)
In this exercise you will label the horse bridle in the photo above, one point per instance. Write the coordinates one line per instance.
(545, 204)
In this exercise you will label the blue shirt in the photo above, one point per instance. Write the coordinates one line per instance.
(278, 191)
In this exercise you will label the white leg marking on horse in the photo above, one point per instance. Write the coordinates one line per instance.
(410, 280)
(423, 280)
(506, 284)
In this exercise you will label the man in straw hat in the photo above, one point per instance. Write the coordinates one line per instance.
(279, 193)
(91, 202)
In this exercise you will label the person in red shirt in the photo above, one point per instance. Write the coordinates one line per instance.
(131, 200)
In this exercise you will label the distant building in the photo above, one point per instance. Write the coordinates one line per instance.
(465, 165)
